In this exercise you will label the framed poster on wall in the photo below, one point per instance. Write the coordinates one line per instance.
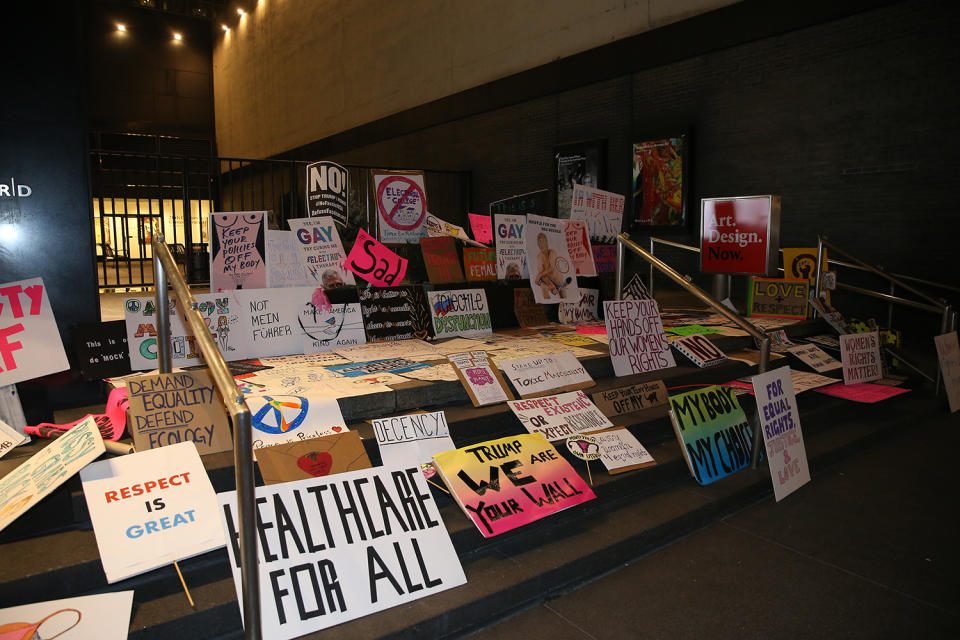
(583, 163)
(660, 184)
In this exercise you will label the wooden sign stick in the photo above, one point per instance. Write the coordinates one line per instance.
(589, 475)
(183, 582)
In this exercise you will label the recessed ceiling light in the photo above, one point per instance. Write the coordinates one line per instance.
(225, 28)
(241, 12)
(121, 27)
(178, 36)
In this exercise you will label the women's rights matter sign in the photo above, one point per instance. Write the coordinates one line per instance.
(860, 353)
(637, 341)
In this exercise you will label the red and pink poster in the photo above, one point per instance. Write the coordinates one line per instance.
(238, 251)
(30, 344)
(482, 227)
(740, 235)
(374, 262)
(578, 244)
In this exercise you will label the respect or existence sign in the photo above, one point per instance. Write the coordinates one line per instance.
(540, 374)
(780, 425)
(459, 312)
(560, 416)
(339, 548)
(30, 344)
(151, 508)
(860, 354)
(638, 343)
(713, 432)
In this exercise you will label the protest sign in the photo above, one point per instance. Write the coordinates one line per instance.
(438, 228)
(605, 257)
(578, 244)
(101, 349)
(692, 329)
(526, 309)
(802, 263)
(285, 266)
(780, 425)
(511, 255)
(328, 191)
(270, 320)
(321, 252)
(151, 508)
(238, 251)
(166, 408)
(553, 275)
(778, 298)
(740, 235)
(620, 451)
(374, 262)
(602, 211)
(504, 484)
(816, 357)
(713, 432)
(571, 339)
(634, 289)
(699, 349)
(538, 375)
(47, 469)
(864, 392)
(30, 344)
(10, 438)
(390, 365)
(312, 458)
(482, 227)
(412, 439)
(459, 312)
(583, 310)
(636, 397)
(399, 348)
(396, 313)
(481, 380)
(440, 257)
(105, 616)
(560, 416)
(325, 327)
(948, 354)
(401, 205)
(382, 543)
(281, 418)
(480, 263)
(860, 354)
(637, 341)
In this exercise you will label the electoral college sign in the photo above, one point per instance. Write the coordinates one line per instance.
(335, 549)
(713, 432)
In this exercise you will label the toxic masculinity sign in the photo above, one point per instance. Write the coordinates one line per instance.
(335, 549)
(713, 432)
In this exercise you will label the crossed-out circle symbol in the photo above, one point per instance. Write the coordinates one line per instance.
(274, 407)
(404, 215)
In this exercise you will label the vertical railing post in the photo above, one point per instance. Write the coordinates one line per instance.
(893, 291)
(762, 367)
(619, 275)
(246, 514)
(162, 300)
(946, 322)
(818, 271)
(650, 266)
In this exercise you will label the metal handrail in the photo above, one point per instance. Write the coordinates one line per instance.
(623, 240)
(240, 416)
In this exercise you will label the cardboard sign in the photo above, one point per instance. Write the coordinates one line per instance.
(583, 310)
(47, 469)
(328, 191)
(30, 344)
(511, 254)
(605, 258)
(504, 484)
(526, 309)
(101, 349)
(282, 418)
(238, 251)
(636, 397)
(948, 353)
(560, 416)
(620, 451)
(571, 339)
(441, 259)
(374, 262)
(553, 276)
(815, 357)
(482, 381)
(538, 375)
(312, 458)
(285, 268)
(740, 235)
(713, 432)
(777, 298)
(10, 438)
(602, 211)
(700, 350)
(482, 227)
(105, 616)
(860, 354)
(321, 251)
(397, 313)
(412, 439)
(578, 244)
(780, 424)
(166, 408)
(350, 564)
(637, 341)
(459, 312)
(401, 205)
(480, 264)
(151, 508)
(327, 327)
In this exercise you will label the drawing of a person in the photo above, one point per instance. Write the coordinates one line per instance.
(548, 278)
(223, 333)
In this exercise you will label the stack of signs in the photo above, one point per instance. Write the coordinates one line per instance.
(815, 357)
(578, 244)
(312, 458)
(374, 262)
(584, 310)
(780, 425)
(459, 312)
(778, 298)
(507, 483)
(620, 451)
(482, 227)
(638, 343)
(285, 268)
(700, 350)
(440, 256)
(401, 205)
(151, 508)
(238, 250)
(353, 565)
(168, 408)
(560, 416)
(412, 439)
(948, 352)
(396, 313)
(713, 432)
(860, 353)
(482, 381)
(636, 397)
(279, 419)
(480, 263)
(511, 257)
(553, 276)
(538, 375)
(526, 309)
(321, 251)
(602, 210)
(328, 188)
(30, 344)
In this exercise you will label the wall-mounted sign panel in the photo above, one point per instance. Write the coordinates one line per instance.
(740, 235)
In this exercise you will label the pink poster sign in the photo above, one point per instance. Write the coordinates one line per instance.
(482, 227)
(238, 251)
(578, 244)
(374, 262)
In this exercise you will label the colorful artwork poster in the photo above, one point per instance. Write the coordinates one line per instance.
(391, 365)
(328, 191)
(282, 418)
(578, 245)
(442, 260)
(658, 183)
(374, 262)
(777, 298)
(507, 483)
(583, 310)
(511, 255)
(780, 425)
(412, 439)
(605, 258)
(312, 458)
(459, 312)
(105, 616)
(860, 355)
(150, 509)
(238, 251)
(553, 277)
(395, 313)
(284, 265)
(601, 211)
(638, 343)
(398, 551)
(802, 263)
(713, 432)
(482, 227)
(480, 264)
(325, 326)
(560, 416)
(401, 199)
(321, 252)
(30, 344)
(948, 353)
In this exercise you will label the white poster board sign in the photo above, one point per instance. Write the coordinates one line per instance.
(459, 312)
(511, 258)
(780, 425)
(603, 211)
(401, 200)
(321, 251)
(948, 352)
(583, 310)
(30, 344)
(281, 418)
(105, 616)
(560, 416)
(815, 357)
(10, 438)
(284, 265)
(325, 327)
(540, 374)
(553, 275)
(412, 439)
(860, 353)
(621, 451)
(638, 343)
